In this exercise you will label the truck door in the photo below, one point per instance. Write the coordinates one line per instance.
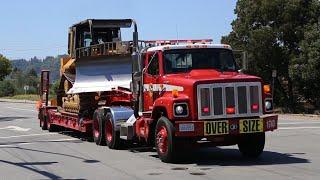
(150, 79)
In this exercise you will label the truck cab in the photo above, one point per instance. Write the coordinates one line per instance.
(196, 90)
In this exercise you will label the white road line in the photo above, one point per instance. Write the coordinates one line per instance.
(291, 128)
(11, 145)
(26, 143)
(27, 135)
(15, 128)
(21, 109)
(289, 123)
(60, 140)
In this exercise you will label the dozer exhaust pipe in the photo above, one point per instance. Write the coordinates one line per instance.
(135, 37)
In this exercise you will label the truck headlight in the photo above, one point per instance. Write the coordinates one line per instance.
(268, 105)
(180, 110)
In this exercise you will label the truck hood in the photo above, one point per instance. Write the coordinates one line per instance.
(206, 76)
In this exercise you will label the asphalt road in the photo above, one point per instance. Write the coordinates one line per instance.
(26, 152)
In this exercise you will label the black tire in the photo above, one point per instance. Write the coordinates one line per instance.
(170, 153)
(43, 123)
(40, 120)
(252, 145)
(98, 127)
(112, 137)
(51, 127)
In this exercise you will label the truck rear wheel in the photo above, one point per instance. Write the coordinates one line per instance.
(252, 145)
(98, 127)
(164, 141)
(112, 136)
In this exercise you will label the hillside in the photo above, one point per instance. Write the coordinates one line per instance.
(50, 63)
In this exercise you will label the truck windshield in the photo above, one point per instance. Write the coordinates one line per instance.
(185, 60)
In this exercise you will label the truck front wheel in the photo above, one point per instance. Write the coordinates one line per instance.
(252, 145)
(98, 127)
(164, 140)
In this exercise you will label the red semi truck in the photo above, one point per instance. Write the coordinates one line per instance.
(168, 94)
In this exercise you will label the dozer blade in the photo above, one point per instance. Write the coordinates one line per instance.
(97, 75)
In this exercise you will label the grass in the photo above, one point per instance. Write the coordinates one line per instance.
(31, 97)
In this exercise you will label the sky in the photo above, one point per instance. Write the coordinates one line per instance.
(39, 27)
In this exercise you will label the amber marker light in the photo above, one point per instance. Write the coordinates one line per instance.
(96, 98)
(266, 88)
(175, 93)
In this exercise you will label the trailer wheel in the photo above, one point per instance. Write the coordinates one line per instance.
(40, 118)
(252, 145)
(164, 140)
(43, 123)
(97, 127)
(51, 127)
(112, 136)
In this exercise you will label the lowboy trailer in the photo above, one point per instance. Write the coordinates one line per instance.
(171, 94)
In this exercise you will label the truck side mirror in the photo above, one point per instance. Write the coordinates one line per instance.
(241, 60)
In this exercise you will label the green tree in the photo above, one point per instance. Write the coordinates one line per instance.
(32, 78)
(271, 32)
(54, 88)
(6, 88)
(5, 67)
(18, 78)
(305, 69)
(32, 72)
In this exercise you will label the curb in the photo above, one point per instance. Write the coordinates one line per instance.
(302, 115)
(18, 101)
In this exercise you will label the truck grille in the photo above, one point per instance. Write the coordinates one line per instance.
(227, 100)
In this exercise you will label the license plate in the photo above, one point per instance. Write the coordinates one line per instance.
(216, 127)
(250, 125)
(186, 127)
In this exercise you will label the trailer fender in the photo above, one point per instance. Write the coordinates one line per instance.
(120, 115)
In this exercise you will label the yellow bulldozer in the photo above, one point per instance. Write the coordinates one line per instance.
(95, 49)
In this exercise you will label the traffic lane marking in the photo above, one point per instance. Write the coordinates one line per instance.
(15, 128)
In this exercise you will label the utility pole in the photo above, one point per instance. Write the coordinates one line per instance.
(274, 75)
